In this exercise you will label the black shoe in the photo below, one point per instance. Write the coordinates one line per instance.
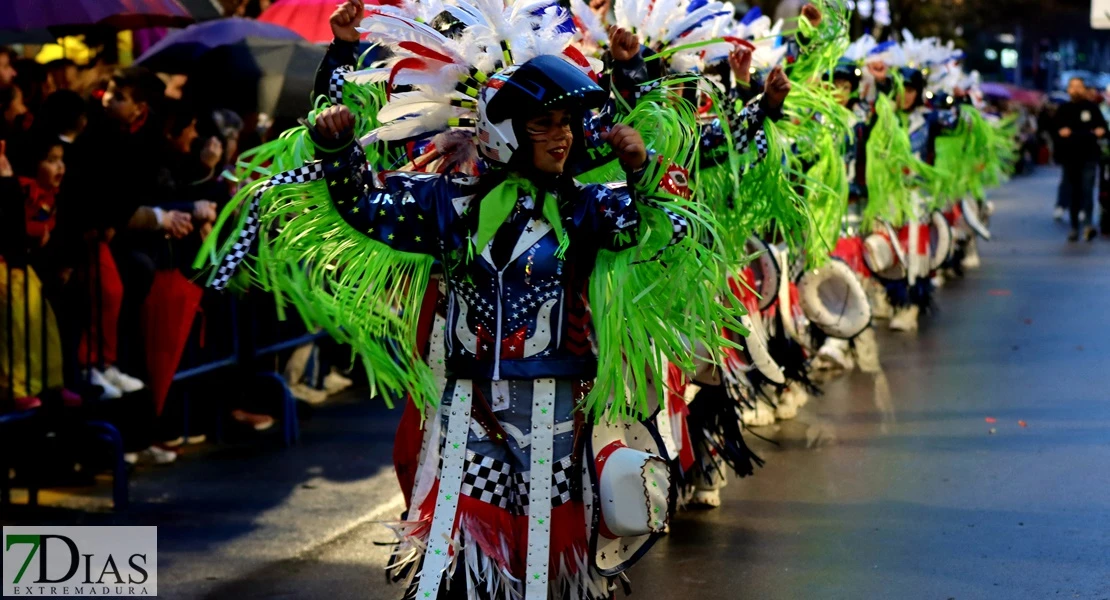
(1073, 236)
(1089, 233)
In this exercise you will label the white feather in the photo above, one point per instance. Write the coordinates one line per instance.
(368, 76)
(676, 28)
(416, 104)
(592, 28)
(432, 121)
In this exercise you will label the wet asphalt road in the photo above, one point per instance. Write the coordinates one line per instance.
(893, 486)
(890, 486)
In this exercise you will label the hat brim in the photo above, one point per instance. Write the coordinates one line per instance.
(940, 241)
(613, 556)
(844, 316)
(767, 271)
(896, 271)
(970, 210)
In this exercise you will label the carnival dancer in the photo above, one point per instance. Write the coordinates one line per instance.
(862, 350)
(902, 142)
(527, 499)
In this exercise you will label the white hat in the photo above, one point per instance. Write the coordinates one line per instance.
(833, 299)
(766, 270)
(940, 240)
(756, 345)
(970, 211)
(627, 492)
(884, 254)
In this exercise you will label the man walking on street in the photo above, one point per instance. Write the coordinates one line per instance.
(1079, 125)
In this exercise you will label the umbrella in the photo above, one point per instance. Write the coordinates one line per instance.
(1008, 91)
(258, 75)
(307, 17)
(204, 10)
(996, 90)
(168, 314)
(178, 51)
(64, 16)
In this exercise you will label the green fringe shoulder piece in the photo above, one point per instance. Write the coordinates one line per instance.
(657, 301)
(363, 293)
(826, 43)
(819, 128)
(893, 171)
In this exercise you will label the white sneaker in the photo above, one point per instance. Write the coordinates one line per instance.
(760, 416)
(705, 499)
(157, 456)
(111, 392)
(307, 394)
(335, 382)
(905, 319)
(837, 354)
(1058, 213)
(131, 458)
(123, 381)
(971, 257)
(1082, 216)
(939, 279)
(880, 304)
(785, 410)
(798, 395)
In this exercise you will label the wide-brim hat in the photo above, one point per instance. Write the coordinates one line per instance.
(970, 211)
(834, 300)
(626, 489)
(883, 253)
(940, 240)
(756, 345)
(766, 270)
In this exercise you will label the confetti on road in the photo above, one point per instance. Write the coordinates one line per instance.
(1023, 423)
(1000, 293)
(991, 420)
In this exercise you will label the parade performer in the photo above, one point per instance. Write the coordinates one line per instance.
(704, 430)
(531, 497)
(901, 151)
(861, 350)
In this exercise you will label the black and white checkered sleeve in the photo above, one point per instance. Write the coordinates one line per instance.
(747, 128)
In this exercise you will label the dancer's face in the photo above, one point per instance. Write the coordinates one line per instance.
(843, 91)
(909, 98)
(551, 136)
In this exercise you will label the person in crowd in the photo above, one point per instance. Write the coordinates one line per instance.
(64, 114)
(1079, 126)
(63, 74)
(7, 67)
(34, 80)
(15, 119)
(126, 213)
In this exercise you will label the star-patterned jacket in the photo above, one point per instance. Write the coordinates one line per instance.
(524, 319)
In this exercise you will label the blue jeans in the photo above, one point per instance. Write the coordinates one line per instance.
(1078, 188)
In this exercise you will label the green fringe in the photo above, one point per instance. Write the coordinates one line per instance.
(656, 302)
(893, 171)
(819, 128)
(828, 202)
(827, 42)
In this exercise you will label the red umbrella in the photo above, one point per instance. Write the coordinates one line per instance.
(307, 17)
(168, 316)
(62, 15)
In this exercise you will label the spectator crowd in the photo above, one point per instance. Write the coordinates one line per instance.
(110, 180)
